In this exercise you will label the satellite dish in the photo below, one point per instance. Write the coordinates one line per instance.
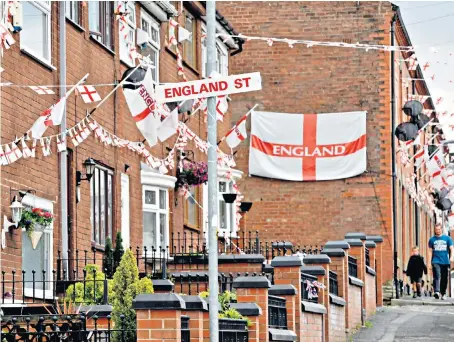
(421, 120)
(406, 131)
(134, 77)
(413, 108)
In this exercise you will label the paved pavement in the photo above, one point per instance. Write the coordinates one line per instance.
(434, 323)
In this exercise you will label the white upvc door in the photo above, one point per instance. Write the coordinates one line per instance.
(125, 223)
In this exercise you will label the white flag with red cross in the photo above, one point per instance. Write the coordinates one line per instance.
(42, 90)
(88, 93)
(412, 62)
(308, 147)
(237, 133)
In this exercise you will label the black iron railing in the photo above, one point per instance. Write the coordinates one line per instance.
(309, 292)
(277, 312)
(185, 332)
(72, 328)
(233, 330)
(367, 256)
(40, 287)
(352, 267)
(333, 284)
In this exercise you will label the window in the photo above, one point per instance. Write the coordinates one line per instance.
(100, 15)
(222, 58)
(155, 217)
(128, 30)
(72, 9)
(204, 52)
(189, 46)
(191, 209)
(151, 26)
(35, 35)
(101, 195)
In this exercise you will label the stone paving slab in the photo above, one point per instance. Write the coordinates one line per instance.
(422, 301)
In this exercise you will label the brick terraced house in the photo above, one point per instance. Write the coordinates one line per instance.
(331, 80)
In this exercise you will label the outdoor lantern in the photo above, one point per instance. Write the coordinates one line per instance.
(16, 210)
(229, 198)
(245, 206)
(89, 166)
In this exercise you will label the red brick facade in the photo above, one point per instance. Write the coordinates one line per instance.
(337, 323)
(354, 306)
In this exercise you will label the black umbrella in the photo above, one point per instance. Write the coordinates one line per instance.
(406, 131)
(413, 108)
(421, 120)
(134, 77)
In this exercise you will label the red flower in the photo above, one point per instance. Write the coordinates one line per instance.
(36, 210)
(47, 215)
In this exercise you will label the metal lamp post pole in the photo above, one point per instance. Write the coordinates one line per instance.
(212, 177)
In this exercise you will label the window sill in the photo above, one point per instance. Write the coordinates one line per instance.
(96, 247)
(102, 45)
(191, 227)
(41, 61)
(76, 25)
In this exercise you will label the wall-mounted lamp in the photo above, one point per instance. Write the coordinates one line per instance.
(89, 166)
(229, 198)
(16, 210)
(126, 167)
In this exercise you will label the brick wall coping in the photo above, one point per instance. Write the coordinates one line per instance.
(336, 252)
(286, 261)
(282, 244)
(282, 290)
(336, 300)
(370, 244)
(356, 281)
(98, 310)
(337, 244)
(259, 282)
(313, 270)
(375, 238)
(159, 301)
(316, 259)
(247, 309)
(191, 274)
(313, 307)
(267, 268)
(195, 303)
(281, 335)
(371, 271)
(241, 259)
(162, 285)
(355, 235)
(354, 242)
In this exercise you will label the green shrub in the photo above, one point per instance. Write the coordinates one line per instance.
(119, 251)
(108, 259)
(126, 286)
(93, 291)
(224, 300)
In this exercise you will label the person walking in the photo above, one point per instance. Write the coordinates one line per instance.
(440, 246)
(415, 269)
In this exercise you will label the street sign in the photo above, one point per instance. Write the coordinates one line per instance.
(233, 84)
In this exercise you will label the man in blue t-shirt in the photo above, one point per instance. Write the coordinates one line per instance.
(440, 246)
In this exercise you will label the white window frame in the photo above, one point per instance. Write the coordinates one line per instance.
(154, 208)
(154, 45)
(124, 55)
(204, 52)
(46, 8)
(73, 5)
(222, 57)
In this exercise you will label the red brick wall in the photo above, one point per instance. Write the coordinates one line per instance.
(336, 323)
(21, 107)
(319, 80)
(354, 306)
(312, 327)
(371, 299)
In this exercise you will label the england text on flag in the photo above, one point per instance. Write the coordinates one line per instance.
(308, 147)
(88, 93)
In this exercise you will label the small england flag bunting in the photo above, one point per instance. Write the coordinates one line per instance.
(42, 90)
(88, 93)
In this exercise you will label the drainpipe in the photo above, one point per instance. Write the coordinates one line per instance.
(393, 155)
(416, 183)
(64, 154)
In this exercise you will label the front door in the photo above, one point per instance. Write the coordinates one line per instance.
(125, 210)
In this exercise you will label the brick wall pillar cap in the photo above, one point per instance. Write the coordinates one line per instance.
(247, 309)
(374, 238)
(336, 300)
(313, 270)
(281, 335)
(333, 252)
(282, 290)
(259, 282)
(241, 259)
(337, 244)
(98, 310)
(355, 235)
(371, 271)
(355, 242)
(286, 261)
(195, 303)
(355, 281)
(159, 301)
(162, 285)
(316, 259)
(370, 244)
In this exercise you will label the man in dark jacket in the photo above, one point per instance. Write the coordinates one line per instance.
(415, 269)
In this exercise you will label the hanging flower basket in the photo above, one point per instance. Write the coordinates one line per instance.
(192, 174)
(34, 221)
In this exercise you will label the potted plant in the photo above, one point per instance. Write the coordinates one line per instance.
(192, 174)
(34, 221)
